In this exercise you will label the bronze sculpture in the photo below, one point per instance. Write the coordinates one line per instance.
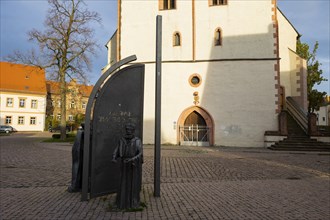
(77, 161)
(130, 152)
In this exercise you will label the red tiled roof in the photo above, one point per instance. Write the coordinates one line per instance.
(54, 88)
(22, 78)
(85, 90)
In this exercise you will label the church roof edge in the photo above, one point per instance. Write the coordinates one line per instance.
(299, 35)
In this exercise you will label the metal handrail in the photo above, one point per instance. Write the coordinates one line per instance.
(299, 115)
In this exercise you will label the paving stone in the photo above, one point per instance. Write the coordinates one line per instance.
(196, 183)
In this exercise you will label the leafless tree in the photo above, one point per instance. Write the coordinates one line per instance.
(64, 46)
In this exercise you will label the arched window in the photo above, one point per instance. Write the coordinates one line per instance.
(218, 37)
(176, 39)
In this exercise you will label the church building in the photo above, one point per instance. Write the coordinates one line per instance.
(227, 68)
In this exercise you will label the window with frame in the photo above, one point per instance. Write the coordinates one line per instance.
(195, 80)
(22, 102)
(33, 120)
(218, 2)
(70, 117)
(83, 105)
(58, 117)
(176, 39)
(8, 120)
(218, 37)
(20, 120)
(167, 4)
(33, 103)
(10, 102)
(72, 104)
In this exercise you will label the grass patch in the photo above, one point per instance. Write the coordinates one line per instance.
(56, 138)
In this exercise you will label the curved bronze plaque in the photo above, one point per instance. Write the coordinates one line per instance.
(118, 102)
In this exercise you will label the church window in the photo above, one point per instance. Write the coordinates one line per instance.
(195, 80)
(176, 39)
(167, 4)
(218, 37)
(217, 2)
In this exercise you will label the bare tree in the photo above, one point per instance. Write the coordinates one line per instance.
(64, 46)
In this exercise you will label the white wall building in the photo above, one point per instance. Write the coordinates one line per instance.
(22, 97)
(323, 115)
(221, 78)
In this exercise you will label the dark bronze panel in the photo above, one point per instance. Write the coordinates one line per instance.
(119, 101)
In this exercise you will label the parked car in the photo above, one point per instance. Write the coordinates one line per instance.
(6, 129)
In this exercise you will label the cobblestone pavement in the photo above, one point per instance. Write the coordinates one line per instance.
(197, 183)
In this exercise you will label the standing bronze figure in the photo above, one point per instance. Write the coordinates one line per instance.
(77, 161)
(130, 152)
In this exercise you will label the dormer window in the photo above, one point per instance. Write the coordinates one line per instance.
(218, 37)
(167, 4)
(176, 39)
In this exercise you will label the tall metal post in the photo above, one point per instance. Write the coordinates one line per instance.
(158, 106)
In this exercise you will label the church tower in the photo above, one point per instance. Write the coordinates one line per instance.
(220, 67)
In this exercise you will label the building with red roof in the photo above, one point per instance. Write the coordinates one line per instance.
(22, 96)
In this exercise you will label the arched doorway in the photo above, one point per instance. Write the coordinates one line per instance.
(195, 127)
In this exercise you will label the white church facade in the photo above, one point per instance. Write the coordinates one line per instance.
(227, 67)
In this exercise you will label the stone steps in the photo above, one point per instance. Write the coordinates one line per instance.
(298, 140)
(301, 144)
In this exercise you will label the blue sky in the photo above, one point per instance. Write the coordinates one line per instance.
(309, 17)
